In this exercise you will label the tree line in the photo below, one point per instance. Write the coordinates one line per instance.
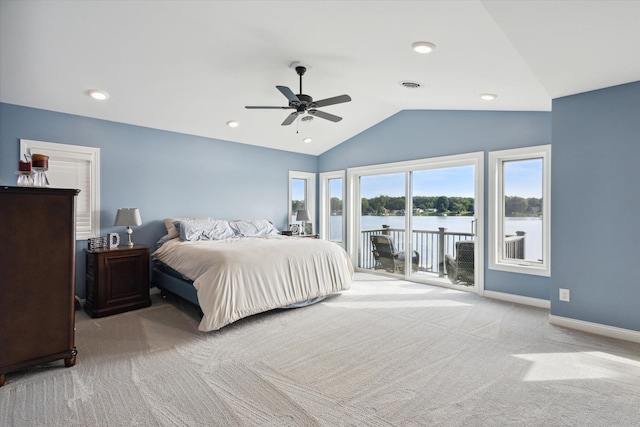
(520, 206)
(435, 205)
(438, 205)
(422, 205)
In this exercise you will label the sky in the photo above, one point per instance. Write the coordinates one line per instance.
(457, 181)
(522, 178)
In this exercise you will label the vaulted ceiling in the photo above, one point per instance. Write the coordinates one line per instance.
(192, 66)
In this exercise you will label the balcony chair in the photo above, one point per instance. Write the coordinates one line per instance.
(386, 257)
(460, 269)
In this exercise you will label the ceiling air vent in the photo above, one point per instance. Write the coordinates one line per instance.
(411, 85)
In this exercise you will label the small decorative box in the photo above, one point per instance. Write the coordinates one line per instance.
(98, 243)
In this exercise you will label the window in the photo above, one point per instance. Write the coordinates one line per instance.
(74, 166)
(520, 210)
(332, 207)
(302, 195)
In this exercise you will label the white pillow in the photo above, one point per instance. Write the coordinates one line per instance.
(195, 230)
(254, 228)
(172, 231)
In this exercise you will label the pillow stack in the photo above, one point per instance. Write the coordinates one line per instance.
(206, 228)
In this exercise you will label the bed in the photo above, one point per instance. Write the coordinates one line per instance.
(234, 269)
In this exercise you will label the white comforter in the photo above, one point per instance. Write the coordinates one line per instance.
(236, 278)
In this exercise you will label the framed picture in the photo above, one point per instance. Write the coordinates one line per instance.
(308, 228)
(295, 229)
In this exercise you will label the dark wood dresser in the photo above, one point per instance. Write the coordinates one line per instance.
(117, 280)
(37, 277)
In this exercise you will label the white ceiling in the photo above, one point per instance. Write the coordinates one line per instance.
(191, 66)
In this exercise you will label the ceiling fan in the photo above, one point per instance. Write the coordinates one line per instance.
(304, 103)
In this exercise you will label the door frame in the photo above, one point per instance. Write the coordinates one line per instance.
(325, 204)
(476, 159)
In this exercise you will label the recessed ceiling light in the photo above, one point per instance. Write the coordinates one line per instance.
(307, 140)
(98, 95)
(233, 124)
(488, 96)
(423, 47)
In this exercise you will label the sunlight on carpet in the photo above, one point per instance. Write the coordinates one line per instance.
(385, 353)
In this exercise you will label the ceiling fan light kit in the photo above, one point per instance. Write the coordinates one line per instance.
(304, 104)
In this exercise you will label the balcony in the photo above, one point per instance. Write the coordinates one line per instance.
(431, 245)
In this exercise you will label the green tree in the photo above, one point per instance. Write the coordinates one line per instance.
(395, 204)
(297, 205)
(366, 207)
(442, 204)
(336, 204)
(514, 205)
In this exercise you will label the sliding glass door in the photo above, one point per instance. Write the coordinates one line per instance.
(382, 222)
(418, 220)
(443, 224)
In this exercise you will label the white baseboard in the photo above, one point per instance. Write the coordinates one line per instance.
(518, 299)
(567, 322)
(596, 328)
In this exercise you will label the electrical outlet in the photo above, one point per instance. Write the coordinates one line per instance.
(565, 295)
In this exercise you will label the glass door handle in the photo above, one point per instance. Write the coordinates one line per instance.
(474, 222)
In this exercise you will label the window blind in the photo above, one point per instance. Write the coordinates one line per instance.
(74, 166)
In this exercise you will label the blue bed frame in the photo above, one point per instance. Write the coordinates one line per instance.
(180, 287)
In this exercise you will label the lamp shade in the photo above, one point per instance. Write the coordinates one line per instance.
(302, 215)
(128, 217)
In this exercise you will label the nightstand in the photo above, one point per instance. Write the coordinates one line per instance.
(117, 280)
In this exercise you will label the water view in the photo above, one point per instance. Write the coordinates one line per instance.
(532, 226)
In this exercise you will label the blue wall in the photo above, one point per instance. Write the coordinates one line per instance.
(595, 154)
(164, 174)
(415, 134)
(596, 204)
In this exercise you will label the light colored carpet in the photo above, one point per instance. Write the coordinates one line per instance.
(385, 353)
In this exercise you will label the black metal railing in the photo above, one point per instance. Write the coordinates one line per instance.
(431, 245)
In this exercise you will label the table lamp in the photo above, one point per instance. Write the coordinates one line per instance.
(128, 217)
(302, 215)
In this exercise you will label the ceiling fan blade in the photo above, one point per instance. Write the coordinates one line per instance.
(325, 116)
(266, 108)
(331, 101)
(290, 118)
(289, 94)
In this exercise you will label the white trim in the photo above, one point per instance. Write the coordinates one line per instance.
(353, 215)
(475, 159)
(310, 195)
(596, 328)
(72, 154)
(496, 210)
(325, 204)
(518, 299)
